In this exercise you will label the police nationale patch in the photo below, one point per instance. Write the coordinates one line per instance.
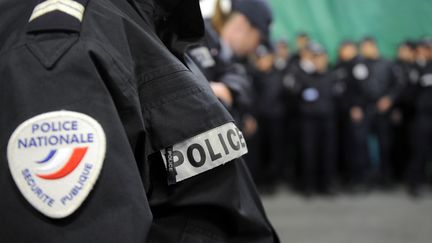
(55, 159)
(204, 152)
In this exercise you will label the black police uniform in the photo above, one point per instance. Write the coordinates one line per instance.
(107, 62)
(343, 72)
(270, 109)
(318, 133)
(374, 79)
(422, 130)
(217, 62)
(409, 74)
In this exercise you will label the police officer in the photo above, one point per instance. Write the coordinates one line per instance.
(228, 41)
(343, 70)
(422, 129)
(230, 37)
(283, 65)
(375, 91)
(270, 106)
(107, 137)
(316, 92)
(283, 54)
(347, 59)
(403, 113)
(302, 40)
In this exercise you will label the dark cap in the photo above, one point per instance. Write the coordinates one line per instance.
(423, 43)
(409, 44)
(347, 42)
(427, 41)
(282, 41)
(258, 13)
(263, 50)
(302, 35)
(315, 48)
(369, 39)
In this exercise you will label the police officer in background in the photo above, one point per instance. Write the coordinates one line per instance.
(402, 115)
(347, 59)
(269, 108)
(230, 37)
(422, 54)
(376, 88)
(422, 128)
(302, 40)
(282, 55)
(108, 137)
(315, 87)
(283, 65)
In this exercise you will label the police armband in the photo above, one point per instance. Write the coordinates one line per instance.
(203, 152)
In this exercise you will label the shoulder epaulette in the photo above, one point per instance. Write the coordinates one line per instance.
(57, 15)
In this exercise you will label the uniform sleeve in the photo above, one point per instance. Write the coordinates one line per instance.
(48, 76)
(236, 79)
(200, 188)
(233, 75)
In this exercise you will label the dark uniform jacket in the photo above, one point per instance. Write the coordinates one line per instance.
(409, 75)
(423, 95)
(343, 72)
(270, 94)
(316, 92)
(93, 77)
(375, 79)
(218, 64)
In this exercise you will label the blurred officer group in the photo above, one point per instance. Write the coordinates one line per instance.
(363, 123)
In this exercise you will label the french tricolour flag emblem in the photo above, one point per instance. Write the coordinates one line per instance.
(60, 162)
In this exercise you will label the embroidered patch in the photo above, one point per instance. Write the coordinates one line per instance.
(310, 95)
(361, 72)
(204, 152)
(203, 56)
(426, 80)
(55, 159)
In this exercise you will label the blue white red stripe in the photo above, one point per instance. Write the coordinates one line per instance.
(60, 163)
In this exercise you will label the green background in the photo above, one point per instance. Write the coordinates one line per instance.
(331, 21)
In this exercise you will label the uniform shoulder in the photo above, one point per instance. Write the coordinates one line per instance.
(52, 28)
(39, 21)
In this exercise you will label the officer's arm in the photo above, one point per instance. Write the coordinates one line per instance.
(237, 81)
(200, 188)
(70, 173)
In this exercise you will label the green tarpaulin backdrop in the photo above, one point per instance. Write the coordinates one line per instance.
(331, 21)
